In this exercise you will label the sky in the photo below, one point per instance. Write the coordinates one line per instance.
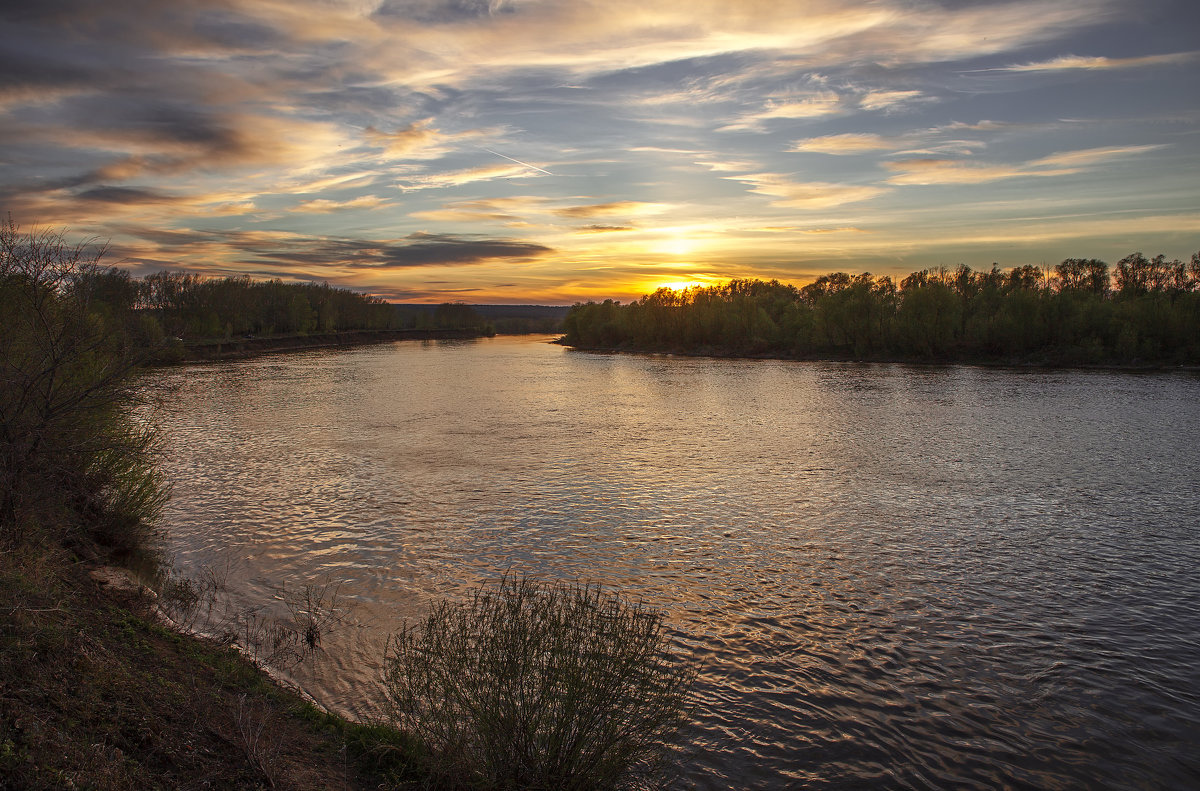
(552, 151)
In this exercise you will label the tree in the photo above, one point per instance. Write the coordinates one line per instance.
(1082, 274)
(67, 343)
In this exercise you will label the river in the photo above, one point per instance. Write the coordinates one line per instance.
(888, 576)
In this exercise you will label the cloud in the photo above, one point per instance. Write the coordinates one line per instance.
(605, 228)
(421, 249)
(125, 195)
(456, 178)
(1093, 156)
(822, 231)
(1101, 63)
(415, 250)
(807, 195)
(312, 255)
(728, 166)
(843, 144)
(946, 171)
(981, 126)
(325, 206)
(819, 105)
(485, 210)
(418, 140)
(886, 100)
(589, 37)
(625, 208)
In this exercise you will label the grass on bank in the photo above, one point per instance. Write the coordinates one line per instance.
(95, 693)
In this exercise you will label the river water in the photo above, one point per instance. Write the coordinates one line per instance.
(888, 576)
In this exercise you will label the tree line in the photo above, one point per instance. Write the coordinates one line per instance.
(1145, 310)
(192, 307)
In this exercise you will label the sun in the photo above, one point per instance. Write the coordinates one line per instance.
(676, 245)
(676, 241)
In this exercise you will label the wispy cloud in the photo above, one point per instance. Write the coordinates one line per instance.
(825, 103)
(844, 144)
(414, 250)
(457, 178)
(807, 195)
(946, 171)
(627, 208)
(1093, 156)
(508, 211)
(605, 228)
(1101, 63)
(325, 205)
(887, 100)
(419, 140)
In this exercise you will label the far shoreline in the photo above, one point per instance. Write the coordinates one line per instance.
(183, 353)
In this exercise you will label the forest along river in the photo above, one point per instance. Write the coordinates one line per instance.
(888, 576)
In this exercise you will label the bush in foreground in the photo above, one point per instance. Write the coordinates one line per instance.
(536, 685)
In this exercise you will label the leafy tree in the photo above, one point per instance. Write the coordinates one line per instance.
(1153, 314)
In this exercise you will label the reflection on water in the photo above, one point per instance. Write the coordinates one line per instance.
(890, 576)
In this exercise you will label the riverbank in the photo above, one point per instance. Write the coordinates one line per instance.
(1038, 361)
(96, 693)
(238, 348)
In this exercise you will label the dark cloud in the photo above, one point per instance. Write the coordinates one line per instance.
(124, 195)
(262, 249)
(150, 24)
(442, 11)
(446, 250)
(170, 238)
(153, 119)
(606, 228)
(417, 250)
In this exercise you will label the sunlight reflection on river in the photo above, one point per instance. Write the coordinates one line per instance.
(895, 576)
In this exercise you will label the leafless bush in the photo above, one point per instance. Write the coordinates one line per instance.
(199, 604)
(532, 685)
(258, 739)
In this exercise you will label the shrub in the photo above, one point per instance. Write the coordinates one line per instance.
(536, 685)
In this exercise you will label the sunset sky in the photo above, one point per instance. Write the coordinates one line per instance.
(552, 151)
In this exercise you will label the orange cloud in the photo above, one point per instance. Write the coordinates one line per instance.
(615, 208)
(849, 143)
(324, 206)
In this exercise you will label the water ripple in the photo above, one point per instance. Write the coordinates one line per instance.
(888, 576)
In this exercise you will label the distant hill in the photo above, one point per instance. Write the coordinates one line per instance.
(507, 319)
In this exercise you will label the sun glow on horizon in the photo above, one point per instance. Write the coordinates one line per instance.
(680, 285)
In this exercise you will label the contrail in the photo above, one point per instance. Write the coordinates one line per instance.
(519, 162)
